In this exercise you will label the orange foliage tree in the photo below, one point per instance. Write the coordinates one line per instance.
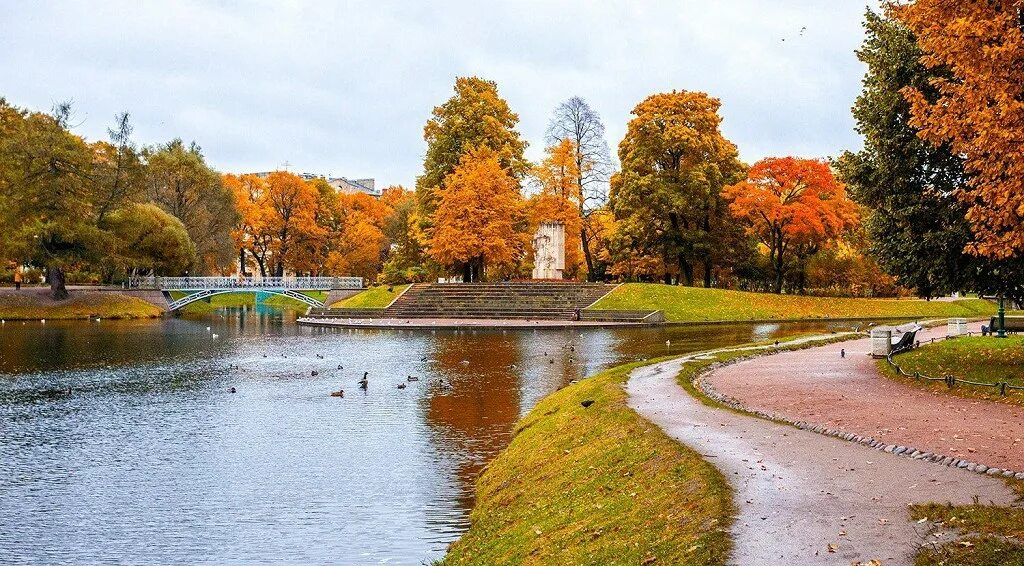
(792, 206)
(480, 222)
(359, 246)
(252, 234)
(559, 200)
(291, 206)
(979, 109)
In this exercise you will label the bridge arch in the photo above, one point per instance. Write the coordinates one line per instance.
(207, 293)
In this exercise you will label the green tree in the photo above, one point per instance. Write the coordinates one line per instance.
(476, 117)
(180, 182)
(48, 194)
(668, 197)
(917, 226)
(150, 241)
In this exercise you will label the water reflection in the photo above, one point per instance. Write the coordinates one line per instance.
(150, 457)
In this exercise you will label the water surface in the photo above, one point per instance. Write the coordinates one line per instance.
(121, 441)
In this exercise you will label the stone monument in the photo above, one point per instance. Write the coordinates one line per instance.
(549, 251)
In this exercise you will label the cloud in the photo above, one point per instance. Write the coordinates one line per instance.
(345, 88)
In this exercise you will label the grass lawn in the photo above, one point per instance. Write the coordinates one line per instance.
(372, 298)
(996, 534)
(976, 358)
(35, 304)
(243, 299)
(596, 485)
(696, 304)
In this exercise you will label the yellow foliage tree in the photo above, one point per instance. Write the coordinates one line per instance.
(979, 110)
(480, 223)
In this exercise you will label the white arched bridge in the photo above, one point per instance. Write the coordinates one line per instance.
(200, 288)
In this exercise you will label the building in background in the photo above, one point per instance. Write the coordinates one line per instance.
(340, 184)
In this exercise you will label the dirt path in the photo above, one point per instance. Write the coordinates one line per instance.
(796, 491)
(848, 394)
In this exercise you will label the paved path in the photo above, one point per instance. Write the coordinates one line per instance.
(796, 491)
(818, 386)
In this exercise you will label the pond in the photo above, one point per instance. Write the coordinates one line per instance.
(121, 440)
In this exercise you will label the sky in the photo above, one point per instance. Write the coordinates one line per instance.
(344, 88)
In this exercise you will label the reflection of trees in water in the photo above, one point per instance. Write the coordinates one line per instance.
(472, 413)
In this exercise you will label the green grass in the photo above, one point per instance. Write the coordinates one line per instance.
(372, 298)
(35, 304)
(976, 358)
(596, 485)
(695, 304)
(244, 299)
(996, 534)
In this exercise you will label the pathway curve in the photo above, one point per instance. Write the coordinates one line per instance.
(849, 394)
(797, 492)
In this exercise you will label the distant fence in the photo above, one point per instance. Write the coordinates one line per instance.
(254, 283)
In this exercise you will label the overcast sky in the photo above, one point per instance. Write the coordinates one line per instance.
(344, 88)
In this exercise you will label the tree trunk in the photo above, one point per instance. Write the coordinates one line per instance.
(685, 270)
(707, 273)
(778, 280)
(591, 276)
(58, 286)
(467, 273)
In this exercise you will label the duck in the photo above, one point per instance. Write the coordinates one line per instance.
(339, 366)
(364, 381)
(401, 386)
(314, 373)
(412, 378)
(338, 393)
(319, 356)
(232, 390)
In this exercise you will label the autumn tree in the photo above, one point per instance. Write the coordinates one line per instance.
(253, 233)
(476, 117)
(480, 225)
(405, 253)
(361, 245)
(291, 205)
(977, 107)
(180, 182)
(575, 121)
(48, 194)
(559, 200)
(668, 196)
(792, 206)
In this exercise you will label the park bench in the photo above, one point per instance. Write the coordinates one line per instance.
(907, 334)
(1011, 324)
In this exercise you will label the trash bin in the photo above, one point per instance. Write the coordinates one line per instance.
(881, 342)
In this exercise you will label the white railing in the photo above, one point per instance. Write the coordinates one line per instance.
(204, 283)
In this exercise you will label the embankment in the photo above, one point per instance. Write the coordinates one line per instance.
(36, 304)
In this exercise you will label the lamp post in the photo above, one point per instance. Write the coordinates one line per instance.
(1001, 333)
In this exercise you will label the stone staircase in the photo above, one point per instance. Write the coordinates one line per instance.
(535, 300)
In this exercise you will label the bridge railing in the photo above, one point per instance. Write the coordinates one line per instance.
(203, 283)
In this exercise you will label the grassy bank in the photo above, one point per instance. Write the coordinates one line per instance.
(35, 304)
(695, 304)
(975, 358)
(372, 298)
(245, 299)
(596, 485)
(994, 534)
